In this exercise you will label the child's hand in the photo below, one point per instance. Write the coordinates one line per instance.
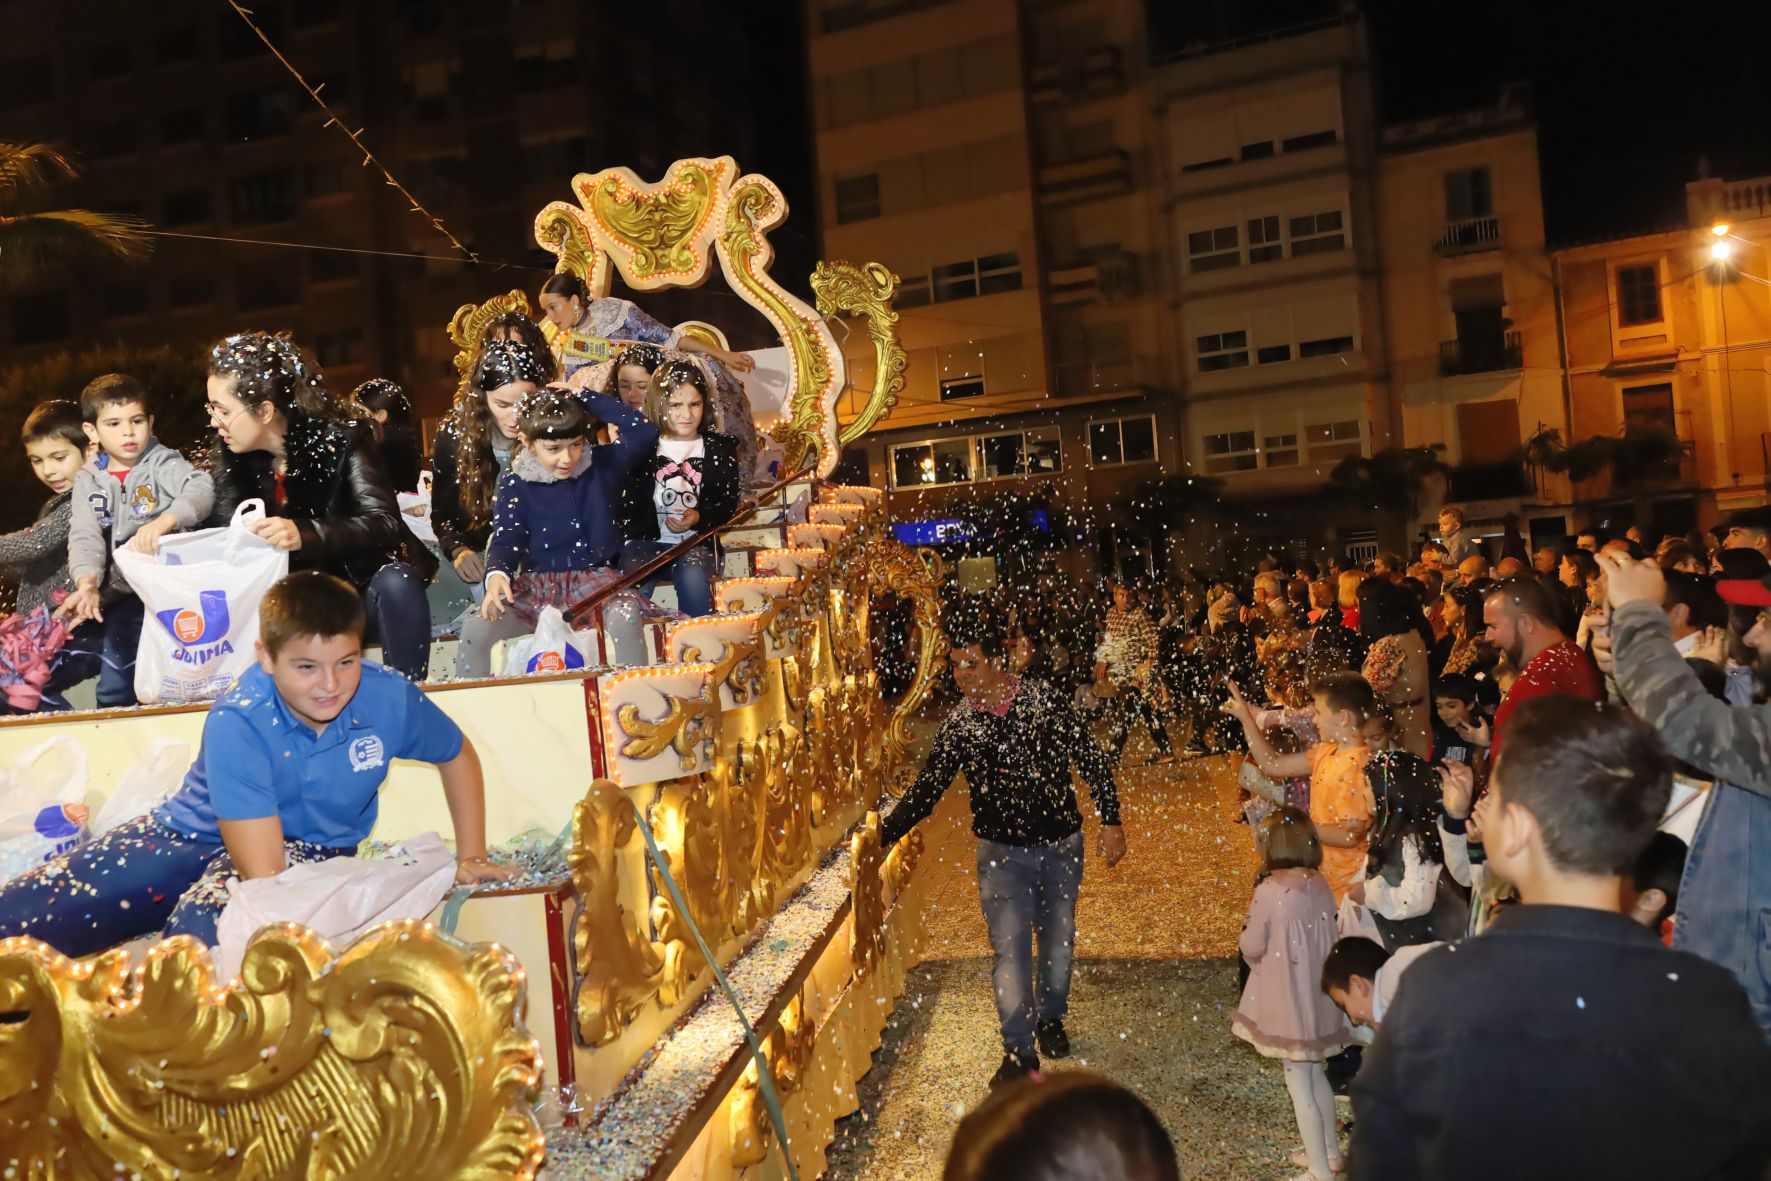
(1457, 783)
(1236, 707)
(81, 606)
(470, 567)
(684, 521)
(146, 540)
(498, 596)
(470, 870)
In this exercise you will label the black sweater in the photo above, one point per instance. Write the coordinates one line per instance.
(1018, 768)
(721, 487)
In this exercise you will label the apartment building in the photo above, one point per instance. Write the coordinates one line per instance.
(181, 115)
(1003, 174)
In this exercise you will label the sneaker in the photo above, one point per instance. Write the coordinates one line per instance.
(1053, 1041)
(1014, 1066)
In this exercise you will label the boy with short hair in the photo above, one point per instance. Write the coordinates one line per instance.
(1360, 976)
(289, 771)
(1565, 1041)
(1454, 714)
(133, 492)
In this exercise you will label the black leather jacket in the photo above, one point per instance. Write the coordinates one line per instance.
(335, 491)
(446, 514)
(721, 488)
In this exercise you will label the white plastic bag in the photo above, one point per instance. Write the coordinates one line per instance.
(339, 899)
(553, 648)
(415, 510)
(200, 596)
(41, 810)
(146, 785)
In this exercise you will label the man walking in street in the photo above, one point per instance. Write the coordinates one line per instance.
(1016, 738)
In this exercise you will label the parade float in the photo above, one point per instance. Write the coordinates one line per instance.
(692, 987)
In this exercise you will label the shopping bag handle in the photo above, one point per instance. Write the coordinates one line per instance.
(250, 513)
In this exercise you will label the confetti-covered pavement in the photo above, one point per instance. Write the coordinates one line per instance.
(1155, 980)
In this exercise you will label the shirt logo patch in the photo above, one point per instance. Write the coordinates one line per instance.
(366, 754)
(143, 503)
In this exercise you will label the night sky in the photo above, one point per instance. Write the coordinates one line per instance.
(1630, 94)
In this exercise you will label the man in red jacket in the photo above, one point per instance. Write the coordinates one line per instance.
(1521, 619)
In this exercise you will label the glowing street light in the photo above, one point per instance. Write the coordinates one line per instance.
(1722, 250)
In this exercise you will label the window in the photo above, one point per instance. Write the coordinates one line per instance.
(1122, 440)
(187, 208)
(117, 139)
(1468, 194)
(40, 319)
(1333, 346)
(1232, 451)
(541, 65)
(1280, 450)
(1333, 440)
(955, 280)
(1315, 139)
(333, 266)
(238, 41)
(1650, 407)
(108, 61)
(265, 285)
(344, 347)
(186, 126)
(190, 291)
(1002, 455)
(913, 291)
(1202, 165)
(966, 385)
(1044, 452)
(1317, 233)
(857, 198)
(322, 180)
(1213, 250)
(998, 273)
(428, 87)
(1223, 350)
(924, 465)
(1260, 151)
(1264, 244)
(257, 114)
(263, 197)
(1272, 354)
(1638, 295)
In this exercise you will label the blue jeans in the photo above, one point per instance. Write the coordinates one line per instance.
(141, 878)
(1027, 891)
(691, 574)
(122, 636)
(399, 617)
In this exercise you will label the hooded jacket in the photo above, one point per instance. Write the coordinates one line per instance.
(106, 514)
(542, 524)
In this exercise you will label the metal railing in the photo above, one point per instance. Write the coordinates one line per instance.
(594, 601)
(1481, 354)
(1468, 234)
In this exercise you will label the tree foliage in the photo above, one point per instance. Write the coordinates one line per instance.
(35, 238)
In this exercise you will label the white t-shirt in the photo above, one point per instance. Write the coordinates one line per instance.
(677, 486)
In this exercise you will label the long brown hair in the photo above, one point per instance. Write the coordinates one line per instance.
(476, 467)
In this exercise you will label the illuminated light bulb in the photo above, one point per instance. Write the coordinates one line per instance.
(1722, 251)
(1720, 229)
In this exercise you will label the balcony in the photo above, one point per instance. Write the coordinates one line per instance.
(1469, 235)
(1086, 178)
(1102, 72)
(1490, 354)
(1076, 379)
(1107, 278)
(1045, 84)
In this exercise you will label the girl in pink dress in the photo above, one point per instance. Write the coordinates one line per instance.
(1284, 1013)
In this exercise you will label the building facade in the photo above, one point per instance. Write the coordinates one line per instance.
(1006, 179)
(483, 111)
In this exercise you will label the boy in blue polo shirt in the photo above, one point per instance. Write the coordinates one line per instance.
(290, 768)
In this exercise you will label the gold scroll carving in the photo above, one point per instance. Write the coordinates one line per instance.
(619, 967)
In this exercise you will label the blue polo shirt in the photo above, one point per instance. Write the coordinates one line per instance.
(257, 759)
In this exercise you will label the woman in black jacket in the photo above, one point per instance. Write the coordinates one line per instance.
(691, 483)
(285, 441)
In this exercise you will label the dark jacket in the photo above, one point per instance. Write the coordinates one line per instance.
(1563, 1042)
(446, 514)
(545, 525)
(1018, 770)
(335, 492)
(720, 489)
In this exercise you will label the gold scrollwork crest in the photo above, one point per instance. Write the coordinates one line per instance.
(688, 836)
(687, 725)
(404, 1057)
(841, 287)
(468, 327)
(618, 966)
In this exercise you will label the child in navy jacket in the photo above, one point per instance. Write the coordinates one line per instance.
(554, 534)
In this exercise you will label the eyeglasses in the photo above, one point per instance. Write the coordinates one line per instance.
(220, 415)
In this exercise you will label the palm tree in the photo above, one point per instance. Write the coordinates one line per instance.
(1391, 480)
(32, 239)
(1636, 461)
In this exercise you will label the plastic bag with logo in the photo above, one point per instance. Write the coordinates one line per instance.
(42, 813)
(554, 647)
(415, 510)
(200, 594)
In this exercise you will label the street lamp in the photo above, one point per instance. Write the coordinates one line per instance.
(1722, 250)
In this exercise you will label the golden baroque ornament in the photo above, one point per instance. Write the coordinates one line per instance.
(618, 966)
(843, 287)
(467, 328)
(687, 724)
(403, 1057)
(689, 838)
